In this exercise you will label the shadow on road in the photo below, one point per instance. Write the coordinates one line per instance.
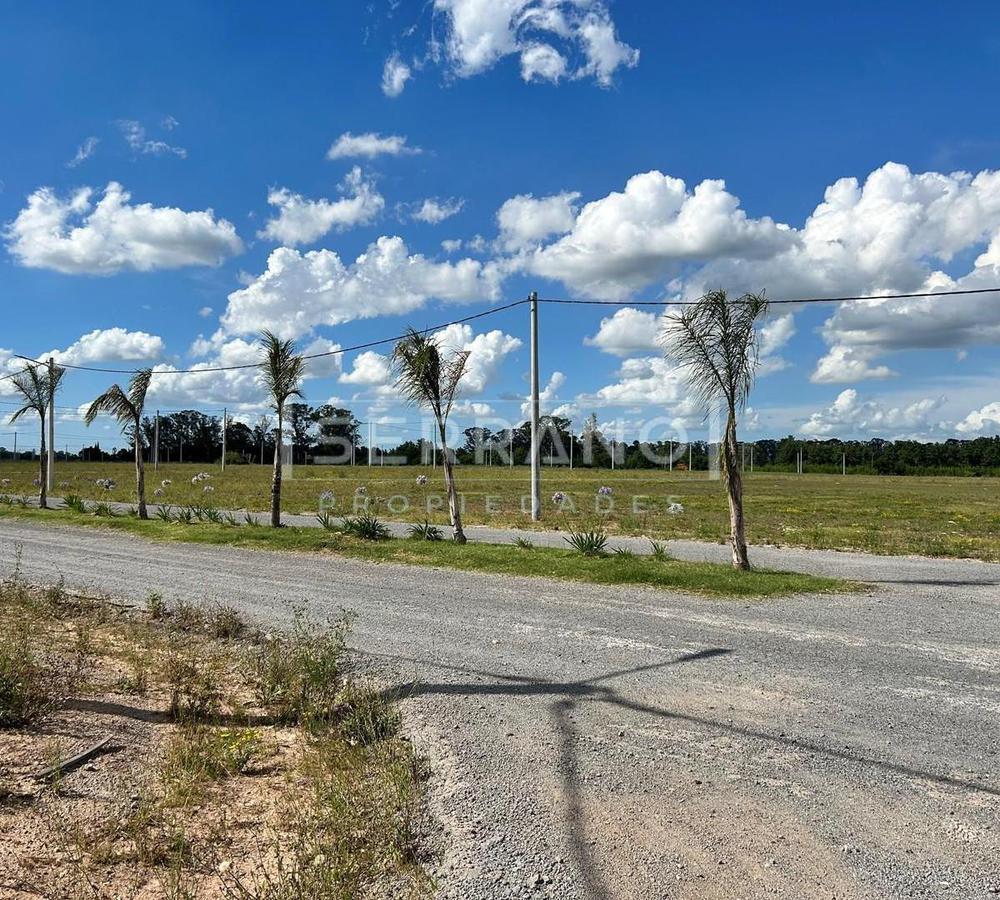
(565, 696)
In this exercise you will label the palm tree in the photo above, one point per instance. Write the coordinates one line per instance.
(126, 407)
(429, 380)
(716, 341)
(281, 370)
(38, 386)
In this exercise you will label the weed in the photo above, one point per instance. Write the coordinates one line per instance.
(251, 520)
(225, 623)
(230, 520)
(164, 513)
(326, 521)
(103, 510)
(368, 715)
(624, 553)
(424, 531)
(75, 503)
(588, 543)
(658, 550)
(198, 755)
(156, 606)
(523, 543)
(26, 684)
(194, 689)
(367, 527)
(186, 515)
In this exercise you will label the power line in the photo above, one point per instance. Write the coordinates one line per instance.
(803, 301)
(493, 311)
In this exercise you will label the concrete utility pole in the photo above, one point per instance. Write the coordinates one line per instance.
(670, 459)
(225, 422)
(156, 441)
(369, 445)
(536, 473)
(844, 464)
(571, 439)
(52, 425)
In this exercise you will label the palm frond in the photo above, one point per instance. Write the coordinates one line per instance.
(281, 369)
(114, 402)
(33, 385)
(137, 389)
(716, 341)
(425, 376)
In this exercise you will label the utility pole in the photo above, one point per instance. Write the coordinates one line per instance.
(844, 464)
(369, 445)
(751, 458)
(571, 449)
(536, 474)
(689, 456)
(156, 441)
(52, 425)
(225, 422)
(670, 459)
(512, 447)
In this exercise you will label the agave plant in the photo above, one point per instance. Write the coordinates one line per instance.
(588, 543)
(424, 531)
(37, 386)
(367, 527)
(127, 407)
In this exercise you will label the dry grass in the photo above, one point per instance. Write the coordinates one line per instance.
(240, 766)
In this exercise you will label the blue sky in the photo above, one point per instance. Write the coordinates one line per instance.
(575, 147)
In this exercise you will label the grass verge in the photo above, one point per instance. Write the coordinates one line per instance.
(254, 767)
(702, 578)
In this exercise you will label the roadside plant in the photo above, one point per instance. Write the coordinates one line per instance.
(127, 407)
(281, 370)
(658, 551)
(624, 553)
(367, 527)
(37, 386)
(163, 514)
(424, 531)
(430, 379)
(326, 521)
(604, 491)
(558, 498)
(75, 503)
(588, 543)
(715, 342)
(522, 543)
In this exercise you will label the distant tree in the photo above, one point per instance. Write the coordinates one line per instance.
(126, 407)
(299, 422)
(281, 371)
(716, 341)
(429, 378)
(37, 386)
(263, 434)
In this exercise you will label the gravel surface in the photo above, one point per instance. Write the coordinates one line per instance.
(599, 742)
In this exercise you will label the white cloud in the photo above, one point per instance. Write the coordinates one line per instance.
(525, 222)
(773, 335)
(369, 368)
(135, 136)
(302, 221)
(298, 292)
(369, 145)
(844, 364)
(205, 312)
(435, 211)
(548, 399)
(84, 152)
(627, 331)
(395, 74)
(487, 352)
(241, 390)
(542, 62)
(980, 420)
(477, 34)
(451, 246)
(110, 345)
(849, 415)
(627, 240)
(642, 381)
(76, 236)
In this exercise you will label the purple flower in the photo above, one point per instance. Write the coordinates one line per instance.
(604, 491)
(558, 498)
(361, 491)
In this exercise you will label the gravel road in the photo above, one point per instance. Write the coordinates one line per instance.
(602, 742)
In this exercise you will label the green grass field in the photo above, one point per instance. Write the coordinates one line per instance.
(881, 514)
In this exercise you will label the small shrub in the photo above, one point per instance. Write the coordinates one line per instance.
(624, 553)
(424, 531)
(75, 503)
(588, 543)
(103, 510)
(212, 515)
(327, 521)
(658, 550)
(230, 521)
(156, 606)
(187, 616)
(368, 716)
(296, 677)
(523, 543)
(198, 755)
(26, 686)
(186, 515)
(226, 623)
(194, 690)
(251, 520)
(164, 513)
(367, 527)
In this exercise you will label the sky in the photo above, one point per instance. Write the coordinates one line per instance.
(174, 178)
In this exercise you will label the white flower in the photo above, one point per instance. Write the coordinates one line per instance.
(158, 492)
(421, 480)
(675, 508)
(208, 489)
(361, 491)
(166, 482)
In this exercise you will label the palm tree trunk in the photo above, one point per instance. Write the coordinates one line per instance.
(449, 482)
(276, 478)
(734, 488)
(140, 474)
(43, 470)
